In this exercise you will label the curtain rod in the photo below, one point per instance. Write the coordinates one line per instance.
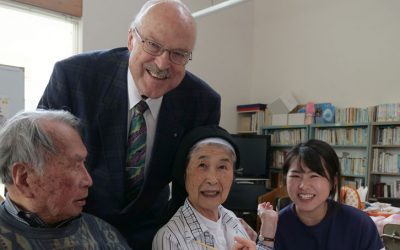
(217, 7)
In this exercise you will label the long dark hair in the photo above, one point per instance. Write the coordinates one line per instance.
(320, 158)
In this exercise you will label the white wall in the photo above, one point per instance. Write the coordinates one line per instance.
(344, 51)
(105, 23)
(223, 56)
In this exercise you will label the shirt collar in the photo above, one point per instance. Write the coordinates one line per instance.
(134, 97)
(197, 228)
(29, 218)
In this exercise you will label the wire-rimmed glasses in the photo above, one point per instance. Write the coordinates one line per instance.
(177, 56)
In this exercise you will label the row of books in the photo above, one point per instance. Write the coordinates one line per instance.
(342, 136)
(351, 115)
(388, 112)
(328, 113)
(251, 121)
(388, 136)
(385, 162)
(354, 115)
(353, 165)
(288, 137)
(379, 113)
(278, 157)
(387, 190)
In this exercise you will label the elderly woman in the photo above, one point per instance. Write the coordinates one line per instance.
(205, 166)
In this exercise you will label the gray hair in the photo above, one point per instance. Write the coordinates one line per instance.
(215, 141)
(22, 139)
(151, 3)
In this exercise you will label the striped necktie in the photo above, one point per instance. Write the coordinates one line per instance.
(136, 152)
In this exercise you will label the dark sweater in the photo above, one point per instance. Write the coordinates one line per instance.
(85, 232)
(344, 228)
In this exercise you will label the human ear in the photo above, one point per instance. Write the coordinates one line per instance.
(131, 37)
(20, 175)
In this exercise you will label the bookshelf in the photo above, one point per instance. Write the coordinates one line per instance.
(369, 153)
(283, 138)
(351, 143)
(249, 122)
(384, 161)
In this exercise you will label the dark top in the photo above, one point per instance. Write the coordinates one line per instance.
(84, 232)
(344, 227)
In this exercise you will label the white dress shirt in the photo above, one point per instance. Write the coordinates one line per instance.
(150, 115)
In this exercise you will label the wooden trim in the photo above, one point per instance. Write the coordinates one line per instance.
(69, 7)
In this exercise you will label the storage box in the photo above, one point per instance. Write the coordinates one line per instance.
(296, 119)
(283, 104)
(279, 119)
(297, 115)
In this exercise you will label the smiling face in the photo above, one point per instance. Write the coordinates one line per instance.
(61, 192)
(171, 26)
(308, 191)
(209, 176)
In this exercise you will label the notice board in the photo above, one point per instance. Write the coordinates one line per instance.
(11, 91)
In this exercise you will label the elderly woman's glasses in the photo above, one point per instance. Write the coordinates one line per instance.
(176, 56)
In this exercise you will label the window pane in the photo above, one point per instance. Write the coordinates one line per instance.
(35, 40)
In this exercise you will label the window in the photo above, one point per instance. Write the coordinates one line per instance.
(35, 39)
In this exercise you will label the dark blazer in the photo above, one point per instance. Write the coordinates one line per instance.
(93, 86)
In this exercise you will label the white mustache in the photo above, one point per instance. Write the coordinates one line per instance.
(155, 71)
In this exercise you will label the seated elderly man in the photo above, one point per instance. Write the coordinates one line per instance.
(204, 166)
(42, 164)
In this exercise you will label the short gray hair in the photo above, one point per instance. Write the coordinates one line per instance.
(22, 139)
(149, 4)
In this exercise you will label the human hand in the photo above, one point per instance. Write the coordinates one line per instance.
(243, 244)
(269, 220)
(250, 231)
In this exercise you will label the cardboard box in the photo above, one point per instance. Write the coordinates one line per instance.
(283, 104)
(296, 118)
(297, 115)
(279, 119)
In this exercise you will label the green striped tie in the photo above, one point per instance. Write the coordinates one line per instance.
(136, 152)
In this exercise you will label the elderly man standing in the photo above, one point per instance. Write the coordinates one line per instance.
(42, 166)
(137, 103)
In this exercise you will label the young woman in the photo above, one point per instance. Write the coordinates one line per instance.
(315, 220)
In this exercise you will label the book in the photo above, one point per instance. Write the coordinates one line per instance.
(251, 107)
(396, 189)
(324, 113)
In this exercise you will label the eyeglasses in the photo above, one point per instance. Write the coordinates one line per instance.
(177, 56)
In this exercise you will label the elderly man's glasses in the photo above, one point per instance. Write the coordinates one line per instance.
(176, 56)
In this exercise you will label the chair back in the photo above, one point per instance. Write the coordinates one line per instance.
(283, 202)
(273, 198)
(391, 236)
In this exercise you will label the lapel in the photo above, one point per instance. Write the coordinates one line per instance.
(170, 129)
(112, 121)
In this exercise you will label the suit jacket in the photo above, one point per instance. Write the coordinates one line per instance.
(93, 86)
